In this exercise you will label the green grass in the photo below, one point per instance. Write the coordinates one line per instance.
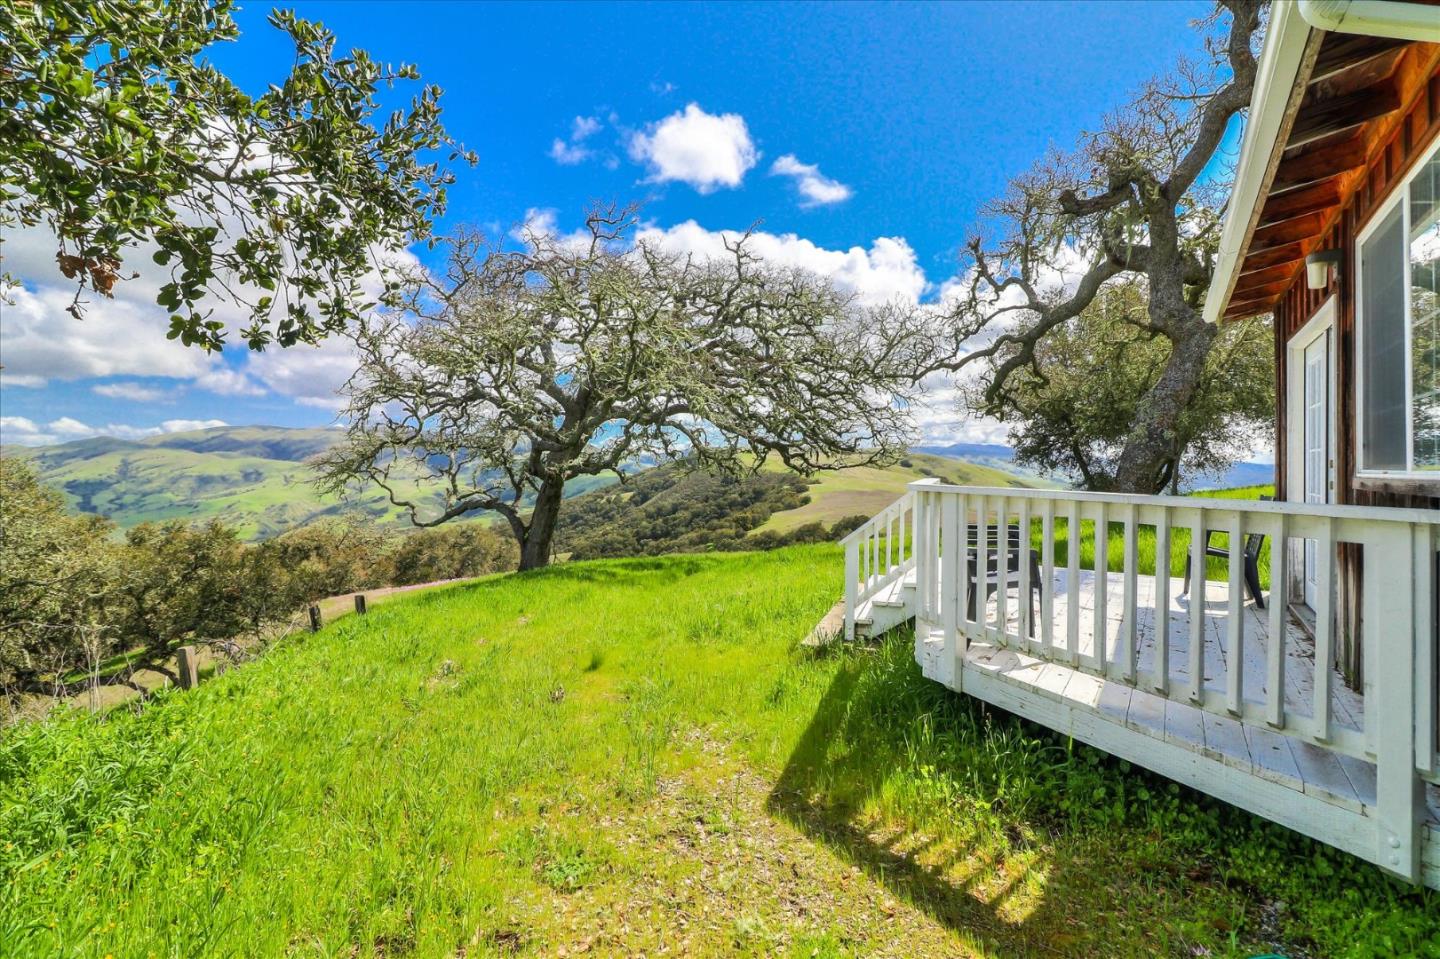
(866, 490)
(615, 757)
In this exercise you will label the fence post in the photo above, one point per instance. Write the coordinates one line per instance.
(1388, 627)
(187, 667)
(314, 619)
(360, 603)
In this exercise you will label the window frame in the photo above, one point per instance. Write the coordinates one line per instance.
(1401, 196)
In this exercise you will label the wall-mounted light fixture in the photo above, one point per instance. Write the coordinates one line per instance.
(1319, 266)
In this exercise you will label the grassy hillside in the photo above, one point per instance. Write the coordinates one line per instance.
(254, 478)
(631, 757)
(867, 490)
(670, 509)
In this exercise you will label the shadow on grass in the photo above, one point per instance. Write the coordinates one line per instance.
(821, 791)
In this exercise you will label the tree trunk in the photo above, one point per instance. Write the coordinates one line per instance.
(540, 534)
(1141, 467)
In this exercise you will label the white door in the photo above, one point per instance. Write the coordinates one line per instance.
(1316, 441)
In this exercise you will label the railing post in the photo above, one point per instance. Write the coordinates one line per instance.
(1423, 547)
(1388, 622)
(952, 569)
(852, 586)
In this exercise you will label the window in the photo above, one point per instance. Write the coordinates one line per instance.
(1399, 331)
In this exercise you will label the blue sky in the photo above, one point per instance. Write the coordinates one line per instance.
(862, 138)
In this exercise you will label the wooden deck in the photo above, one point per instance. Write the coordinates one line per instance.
(1207, 690)
(1083, 705)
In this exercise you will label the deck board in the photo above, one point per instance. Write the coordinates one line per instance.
(1347, 706)
(1323, 788)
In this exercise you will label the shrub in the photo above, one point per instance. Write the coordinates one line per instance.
(451, 552)
(56, 576)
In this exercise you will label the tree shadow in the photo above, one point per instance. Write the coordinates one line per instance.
(946, 885)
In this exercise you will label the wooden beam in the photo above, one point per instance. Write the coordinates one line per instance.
(1327, 117)
(1269, 274)
(1342, 51)
(1312, 166)
(1261, 291)
(1317, 196)
(1287, 231)
(1249, 308)
(1263, 259)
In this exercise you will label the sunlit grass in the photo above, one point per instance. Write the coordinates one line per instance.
(624, 756)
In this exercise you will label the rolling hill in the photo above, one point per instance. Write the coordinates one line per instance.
(671, 509)
(253, 477)
(257, 479)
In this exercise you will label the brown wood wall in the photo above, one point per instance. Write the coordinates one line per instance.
(1389, 164)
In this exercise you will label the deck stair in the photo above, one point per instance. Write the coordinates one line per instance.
(1270, 726)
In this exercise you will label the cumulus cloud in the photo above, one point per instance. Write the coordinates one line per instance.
(815, 188)
(886, 271)
(23, 431)
(119, 337)
(188, 426)
(310, 375)
(543, 224)
(569, 152)
(225, 381)
(123, 336)
(702, 149)
(135, 392)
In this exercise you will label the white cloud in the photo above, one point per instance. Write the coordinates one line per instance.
(815, 188)
(135, 392)
(119, 337)
(568, 154)
(941, 418)
(698, 148)
(227, 382)
(125, 336)
(23, 431)
(310, 375)
(584, 127)
(189, 426)
(886, 271)
(573, 151)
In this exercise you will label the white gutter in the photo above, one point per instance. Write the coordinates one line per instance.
(1275, 76)
(1374, 18)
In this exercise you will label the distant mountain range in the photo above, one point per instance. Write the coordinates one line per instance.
(1003, 457)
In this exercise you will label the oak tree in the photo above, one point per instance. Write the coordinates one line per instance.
(1071, 409)
(520, 370)
(1129, 205)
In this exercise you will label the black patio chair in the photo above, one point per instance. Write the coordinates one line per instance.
(1253, 544)
(992, 566)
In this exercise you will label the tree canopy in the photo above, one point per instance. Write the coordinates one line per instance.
(1071, 409)
(1129, 205)
(521, 369)
(117, 132)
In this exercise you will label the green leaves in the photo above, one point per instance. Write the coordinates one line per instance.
(116, 133)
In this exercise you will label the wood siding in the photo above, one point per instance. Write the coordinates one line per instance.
(1385, 169)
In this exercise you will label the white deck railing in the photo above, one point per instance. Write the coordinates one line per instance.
(876, 553)
(953, 527)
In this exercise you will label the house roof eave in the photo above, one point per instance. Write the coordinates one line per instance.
(1290, 48)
